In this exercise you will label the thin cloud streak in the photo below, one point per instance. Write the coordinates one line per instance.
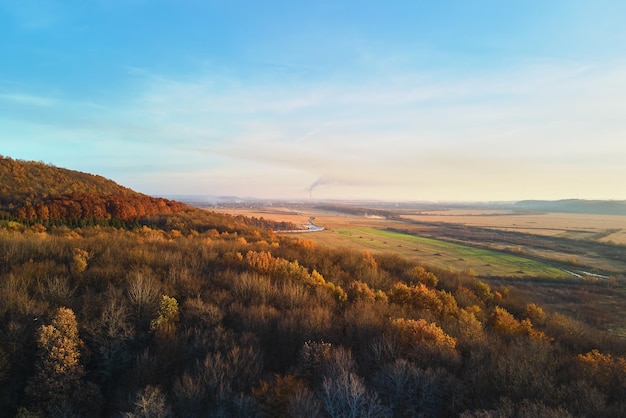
(365, 132)
(27, 99)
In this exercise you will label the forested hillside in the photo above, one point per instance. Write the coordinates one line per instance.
(27, 181)
(196, 314)
(34, 191)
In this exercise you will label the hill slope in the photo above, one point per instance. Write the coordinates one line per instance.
(40, 192)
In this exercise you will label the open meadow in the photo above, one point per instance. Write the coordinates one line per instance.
(491, 243)
(603, 228)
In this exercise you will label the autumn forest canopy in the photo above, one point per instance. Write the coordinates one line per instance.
(178, 311)
(39, 192)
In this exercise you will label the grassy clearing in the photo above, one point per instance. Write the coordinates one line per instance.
(456, 257)
(566, 225)
(482, 251)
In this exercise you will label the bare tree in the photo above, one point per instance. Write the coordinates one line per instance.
(144, 292)
(150, 402)
(346, 396)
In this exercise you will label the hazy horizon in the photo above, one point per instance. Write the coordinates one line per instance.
(411, 101)
(493, 204)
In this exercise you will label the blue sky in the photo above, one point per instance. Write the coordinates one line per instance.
(416, 100)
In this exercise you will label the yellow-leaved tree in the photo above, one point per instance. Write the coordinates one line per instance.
(57, 387)
(167, 317)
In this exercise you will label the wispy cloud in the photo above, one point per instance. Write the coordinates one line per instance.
(517, 132)
(27, 99)
(397, 130)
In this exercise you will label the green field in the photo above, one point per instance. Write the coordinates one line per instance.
(452, 256)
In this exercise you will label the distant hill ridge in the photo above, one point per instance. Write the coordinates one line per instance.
(40, 192)
(597, 207)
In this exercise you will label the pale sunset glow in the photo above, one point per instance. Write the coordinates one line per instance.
(406, 100)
